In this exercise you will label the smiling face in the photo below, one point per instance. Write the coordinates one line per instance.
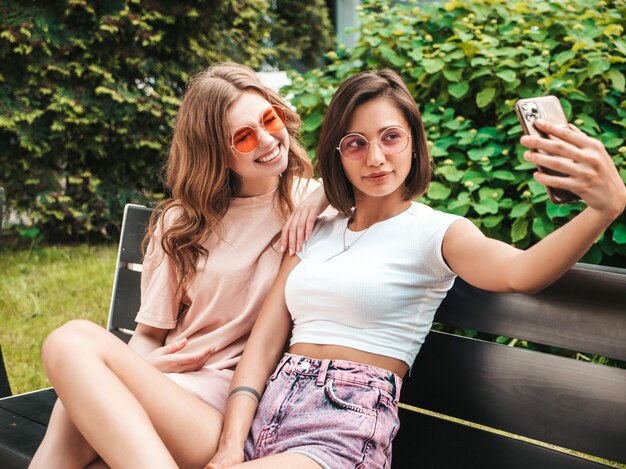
(378, 174)
(258, 170)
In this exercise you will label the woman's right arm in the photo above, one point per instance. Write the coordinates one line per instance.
(261, 355)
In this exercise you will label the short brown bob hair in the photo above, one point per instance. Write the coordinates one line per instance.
(355, 91)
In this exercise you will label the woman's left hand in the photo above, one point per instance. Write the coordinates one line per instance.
(300, 223)
(225, 458)
(592, 174)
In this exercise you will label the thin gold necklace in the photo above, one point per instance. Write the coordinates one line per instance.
(347, 246)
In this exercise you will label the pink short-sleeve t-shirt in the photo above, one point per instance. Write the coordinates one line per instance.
(219, 307)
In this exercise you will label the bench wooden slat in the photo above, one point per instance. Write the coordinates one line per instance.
(5, 388)
(35, 406)
(125, 297)
(126, 302)
(431, 443)
(19, 439)
(136, 219)
(584, 311)
(569, 403)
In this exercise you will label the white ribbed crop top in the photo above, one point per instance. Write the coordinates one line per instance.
(380, 295)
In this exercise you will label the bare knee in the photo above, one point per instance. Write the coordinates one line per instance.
(72, 340)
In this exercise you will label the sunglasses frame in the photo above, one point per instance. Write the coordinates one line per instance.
(260, 124)
(369, 142)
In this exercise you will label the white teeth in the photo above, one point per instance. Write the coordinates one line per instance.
(271, 156)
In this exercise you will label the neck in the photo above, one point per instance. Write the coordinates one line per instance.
(256, 187)
(373, 210)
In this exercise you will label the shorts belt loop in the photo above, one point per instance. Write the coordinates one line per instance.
(398, 386)
(281, 364)
(321, 375)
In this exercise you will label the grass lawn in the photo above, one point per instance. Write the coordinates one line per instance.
(41, 289)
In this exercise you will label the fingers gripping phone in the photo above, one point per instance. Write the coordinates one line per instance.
(549, 109)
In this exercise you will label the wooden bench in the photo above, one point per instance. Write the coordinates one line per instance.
(468, 403)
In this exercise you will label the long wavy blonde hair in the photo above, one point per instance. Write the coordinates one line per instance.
(197, 172)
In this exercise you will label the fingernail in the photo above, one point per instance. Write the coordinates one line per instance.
(291, 252)
(282, 248)
(299, 247)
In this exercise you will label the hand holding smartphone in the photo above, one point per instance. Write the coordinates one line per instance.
(547, 108)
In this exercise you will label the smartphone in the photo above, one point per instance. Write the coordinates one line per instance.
(549, 109)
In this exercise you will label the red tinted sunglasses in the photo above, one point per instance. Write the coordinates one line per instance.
(245, 139)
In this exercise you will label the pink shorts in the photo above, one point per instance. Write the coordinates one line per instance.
(209, 384)
(338, 413)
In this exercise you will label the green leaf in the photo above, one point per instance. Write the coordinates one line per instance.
(450, 173)
(474, 177)
(458, 90)
(619, 233)
(475, 154)
(507, 75)
(520, 210)
(561, 210)
(313, 121)
(542, 226)
(503, 175)
(617, 79)
(502, 339)
(484, 97)
(308, 100)
(613, 142)
(494, 193)
(492, 221)
(519, 229)
(438, 191)
(433, 65)
(486, 206)
(563, 57)
(620, 45)
(598, 66)
(453, 75)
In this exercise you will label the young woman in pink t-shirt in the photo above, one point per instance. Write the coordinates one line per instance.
(236, 170)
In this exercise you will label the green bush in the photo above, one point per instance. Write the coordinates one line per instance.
(89, 89)
(466, 63)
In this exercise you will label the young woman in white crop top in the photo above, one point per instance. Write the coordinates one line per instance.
(236, 171)
(361, 295)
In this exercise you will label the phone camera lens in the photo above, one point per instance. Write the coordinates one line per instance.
(531, 111)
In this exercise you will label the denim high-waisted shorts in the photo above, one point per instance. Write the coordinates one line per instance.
(339, 413)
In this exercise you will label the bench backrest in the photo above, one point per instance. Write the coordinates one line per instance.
(126, 296)
(556, 400)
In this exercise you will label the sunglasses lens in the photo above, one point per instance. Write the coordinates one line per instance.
(393, 140)
(353, 146)
(245, 139)
(274, 119)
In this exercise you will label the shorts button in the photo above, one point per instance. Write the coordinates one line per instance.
(305, 365)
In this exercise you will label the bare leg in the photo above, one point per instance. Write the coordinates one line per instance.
(63, 446)
(128, 411)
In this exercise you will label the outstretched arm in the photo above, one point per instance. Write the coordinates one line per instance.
(493, 265)
(263, 351)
